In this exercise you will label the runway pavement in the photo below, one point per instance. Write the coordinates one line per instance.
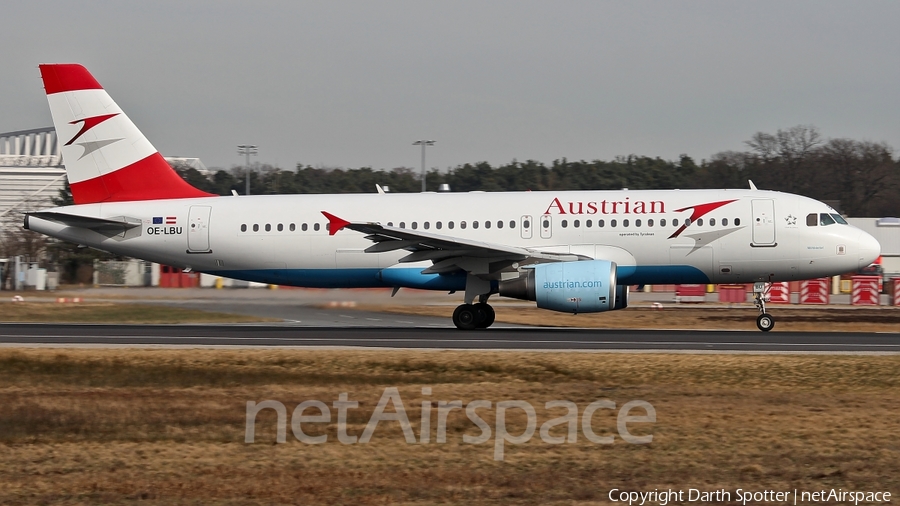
(445, 338)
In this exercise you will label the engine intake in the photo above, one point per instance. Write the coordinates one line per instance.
(571, 287)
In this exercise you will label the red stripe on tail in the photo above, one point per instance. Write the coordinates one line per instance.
(149, 179)
(60, 77)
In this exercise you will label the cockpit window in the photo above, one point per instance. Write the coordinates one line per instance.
(826, 219)
(840, 219)
(812, 220)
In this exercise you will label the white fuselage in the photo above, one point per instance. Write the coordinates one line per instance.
(748, 235)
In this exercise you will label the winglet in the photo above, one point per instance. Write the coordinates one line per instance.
(752, 186)
(334, 223)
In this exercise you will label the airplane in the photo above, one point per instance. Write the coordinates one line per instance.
(569, 251)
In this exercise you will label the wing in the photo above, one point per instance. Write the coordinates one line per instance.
(447, 253)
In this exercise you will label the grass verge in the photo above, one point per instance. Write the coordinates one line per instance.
(109, 312)
(167, 426)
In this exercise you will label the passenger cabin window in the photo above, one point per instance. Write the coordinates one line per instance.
(280, 227)
(304, 227)
(601, 223)
(637, 223)
(475, 224)
(415, 225)
(462, 224)
(724, 222)
(499, 223)
(624, 223)
(450, 225)
(699, 222)
(316, 227)
(588, 223)
(438, 225)
(674, 222)
(487, 224)
(402, 224)
(564, 223)
(244, 227)
(576, 223)
(712, 222)
(737, 222)
(612, 223)
(293, 227)
(256, 227)
(826, 219)
(812, 220)
(650, 222)
(512, 224)
(662, 222)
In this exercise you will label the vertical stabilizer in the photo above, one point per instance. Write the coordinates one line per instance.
(107, 158)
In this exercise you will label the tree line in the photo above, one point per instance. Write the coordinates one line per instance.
(861, 177)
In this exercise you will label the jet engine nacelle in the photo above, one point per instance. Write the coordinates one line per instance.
(573, 287)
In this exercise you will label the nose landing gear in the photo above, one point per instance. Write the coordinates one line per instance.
(765, 322)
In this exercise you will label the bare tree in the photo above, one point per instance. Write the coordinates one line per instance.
(862, 174)
(788, 151)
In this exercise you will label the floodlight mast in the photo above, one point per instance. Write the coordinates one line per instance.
(423, 143)
(247, 150)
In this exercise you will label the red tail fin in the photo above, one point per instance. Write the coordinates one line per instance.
(107, 158)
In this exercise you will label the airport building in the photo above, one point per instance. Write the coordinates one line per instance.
(32, 175)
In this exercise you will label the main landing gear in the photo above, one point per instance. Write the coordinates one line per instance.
(473, 316)
(764, 321)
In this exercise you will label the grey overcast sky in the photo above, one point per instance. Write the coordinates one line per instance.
(354, 83)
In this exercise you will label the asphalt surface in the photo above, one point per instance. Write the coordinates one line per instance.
(445, 338)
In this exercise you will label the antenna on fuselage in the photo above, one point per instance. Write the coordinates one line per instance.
(752, 186)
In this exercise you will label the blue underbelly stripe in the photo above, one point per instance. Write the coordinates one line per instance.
(412, 277)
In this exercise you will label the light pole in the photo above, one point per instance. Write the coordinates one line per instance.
(423, 143)
(247, 150)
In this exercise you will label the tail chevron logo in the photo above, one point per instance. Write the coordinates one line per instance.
(700, 210)
(87, 124)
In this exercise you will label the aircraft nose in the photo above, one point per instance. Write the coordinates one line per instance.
(869, 249)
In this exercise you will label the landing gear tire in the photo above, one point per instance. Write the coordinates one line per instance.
(465, 317)
(765, 322)
(485, 315)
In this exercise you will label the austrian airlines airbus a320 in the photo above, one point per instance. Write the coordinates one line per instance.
(570, 251)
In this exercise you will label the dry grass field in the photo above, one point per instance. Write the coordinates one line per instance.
(112, 312)
(153, 426)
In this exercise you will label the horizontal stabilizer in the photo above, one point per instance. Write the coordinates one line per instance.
(88, 222)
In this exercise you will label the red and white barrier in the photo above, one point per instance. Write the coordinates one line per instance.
(780, 293)
(63, 300)
(865, 291)
(733, 293)
(814, 291)
(896, 297)
(690, 293)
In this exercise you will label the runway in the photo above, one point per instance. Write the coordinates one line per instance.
(445, 338)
